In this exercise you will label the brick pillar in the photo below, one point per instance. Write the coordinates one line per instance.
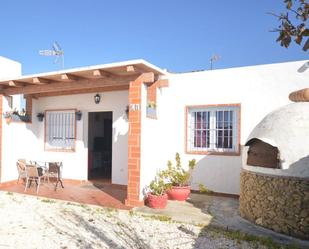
(152, 90)
(152, 93)
(134, 146)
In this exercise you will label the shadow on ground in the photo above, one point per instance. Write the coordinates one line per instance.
(92, 235)
(225, 216)
(217, 212)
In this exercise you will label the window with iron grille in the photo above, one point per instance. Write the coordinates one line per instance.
(213, 129)
(60, 130)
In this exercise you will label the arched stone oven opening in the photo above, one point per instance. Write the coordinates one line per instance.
(262, 154)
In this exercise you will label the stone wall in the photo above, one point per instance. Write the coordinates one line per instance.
(275, 202)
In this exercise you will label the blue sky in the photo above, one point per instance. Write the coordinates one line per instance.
(179, 35)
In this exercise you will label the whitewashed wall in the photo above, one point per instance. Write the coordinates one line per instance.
(11, 69)
(151, 146)
(27, 140)
(259, 89)
(8, 68)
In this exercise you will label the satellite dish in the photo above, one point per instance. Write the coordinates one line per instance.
(56, 51)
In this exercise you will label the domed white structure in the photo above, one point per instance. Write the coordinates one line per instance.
(286, 129)
(274, 182)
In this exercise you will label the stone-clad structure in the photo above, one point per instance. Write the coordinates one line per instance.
(276, 202)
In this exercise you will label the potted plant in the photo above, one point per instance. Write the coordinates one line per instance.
(151, 109)
(178, 179)
(157, 197)
(16, 116)
(40, 116)
(7, 116)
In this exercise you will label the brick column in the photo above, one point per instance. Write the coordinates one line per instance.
(152, 93)
(152, 90)
(134, 146)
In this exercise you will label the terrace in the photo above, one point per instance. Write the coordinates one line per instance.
(96, 192)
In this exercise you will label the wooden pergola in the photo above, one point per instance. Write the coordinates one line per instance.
(108, 77)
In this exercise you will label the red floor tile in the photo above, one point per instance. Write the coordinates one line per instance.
(98, 192)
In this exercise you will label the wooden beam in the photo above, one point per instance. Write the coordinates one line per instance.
(93, 90)
(15, 83)
(69, 77)
(30, 96)
(130, 69)
(39, 80)
(69, 86)
(101, 73)
(146, 77)
(134, 69)
(162, 83)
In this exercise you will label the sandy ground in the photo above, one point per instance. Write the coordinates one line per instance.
(32, 222)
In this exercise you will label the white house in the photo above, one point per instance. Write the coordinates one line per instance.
(136, 116)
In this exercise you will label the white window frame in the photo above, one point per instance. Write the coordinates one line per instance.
(64, 130)
(213, 149)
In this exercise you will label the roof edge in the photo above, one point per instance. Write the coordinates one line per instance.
(92, 67)
(242, 67)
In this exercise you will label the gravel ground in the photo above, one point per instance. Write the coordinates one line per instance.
(31, 222)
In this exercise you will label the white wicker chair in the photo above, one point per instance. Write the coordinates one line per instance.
(21, 169)
(32, 174)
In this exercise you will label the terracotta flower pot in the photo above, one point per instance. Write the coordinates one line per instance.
(157, 201)
(179, 193)
(8, 120)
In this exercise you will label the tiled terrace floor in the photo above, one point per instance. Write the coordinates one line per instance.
(96, 192)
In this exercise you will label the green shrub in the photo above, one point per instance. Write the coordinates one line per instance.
(204, 190)
(157, 186)
(176, 175)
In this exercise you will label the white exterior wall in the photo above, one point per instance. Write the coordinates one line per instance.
(259, 89)
(9, 68)
(152, 155)
(18, 141)
(22, 140)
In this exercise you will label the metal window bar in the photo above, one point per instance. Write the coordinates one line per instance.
(217, 130)
(60, 132)
(224, 130)
(200, 130)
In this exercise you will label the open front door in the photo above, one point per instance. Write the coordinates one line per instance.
(100, 133)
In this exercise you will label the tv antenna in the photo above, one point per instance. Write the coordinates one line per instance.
(213, 59)
(56, 51)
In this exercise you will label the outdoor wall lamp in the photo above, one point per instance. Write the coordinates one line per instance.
(127, 111)
(40, 116)
(97, 98)
(78, 115)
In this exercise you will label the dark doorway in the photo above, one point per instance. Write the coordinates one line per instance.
(100, 134)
